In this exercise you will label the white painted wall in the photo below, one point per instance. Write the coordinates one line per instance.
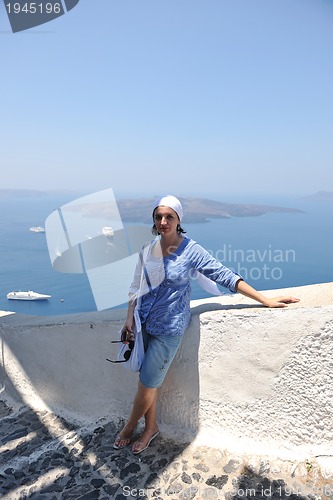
(246, 378)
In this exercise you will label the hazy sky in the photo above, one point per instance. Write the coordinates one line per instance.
(180, 96)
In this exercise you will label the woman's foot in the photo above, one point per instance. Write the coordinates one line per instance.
(144, 440)
(124, 438)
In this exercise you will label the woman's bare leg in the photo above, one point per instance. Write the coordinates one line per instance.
(145, 397)
(144, 404)
(151, 428)
(150, 415)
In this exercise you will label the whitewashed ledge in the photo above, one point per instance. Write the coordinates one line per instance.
(247, 379)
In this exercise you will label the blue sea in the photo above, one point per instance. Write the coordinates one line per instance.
(272, 251)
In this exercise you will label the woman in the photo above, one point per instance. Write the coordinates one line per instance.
(164, 308)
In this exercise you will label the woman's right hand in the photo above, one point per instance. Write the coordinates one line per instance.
(127, 332)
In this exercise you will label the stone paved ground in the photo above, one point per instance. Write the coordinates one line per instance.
(44, 457)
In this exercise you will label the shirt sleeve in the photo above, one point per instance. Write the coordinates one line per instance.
(213, 269)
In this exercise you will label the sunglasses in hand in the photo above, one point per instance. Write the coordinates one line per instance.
(126, 337)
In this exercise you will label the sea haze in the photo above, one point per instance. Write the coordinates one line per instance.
(270, 251)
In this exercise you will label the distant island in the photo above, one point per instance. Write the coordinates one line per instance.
(21, 193)
(139, 209)
(319, 196)
(32, 193)
(196, 210)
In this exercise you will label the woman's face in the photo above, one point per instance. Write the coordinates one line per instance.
(166, 220)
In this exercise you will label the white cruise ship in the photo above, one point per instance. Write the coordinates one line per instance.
(27, 296)
(37, 229)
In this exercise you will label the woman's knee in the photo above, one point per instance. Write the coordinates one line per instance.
(146, 392)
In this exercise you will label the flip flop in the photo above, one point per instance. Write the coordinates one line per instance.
(117, 441)
(143, 449)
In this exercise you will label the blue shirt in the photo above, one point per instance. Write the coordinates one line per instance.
(165, 308)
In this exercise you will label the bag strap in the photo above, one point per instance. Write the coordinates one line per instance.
(146, 273)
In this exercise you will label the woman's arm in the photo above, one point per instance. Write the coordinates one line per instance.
(216, 271)
(247, 290)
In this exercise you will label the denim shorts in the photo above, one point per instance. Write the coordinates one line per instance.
(159, 353)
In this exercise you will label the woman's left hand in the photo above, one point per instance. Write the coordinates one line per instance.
(280, 301)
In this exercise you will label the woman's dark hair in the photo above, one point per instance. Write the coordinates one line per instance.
(180, 230)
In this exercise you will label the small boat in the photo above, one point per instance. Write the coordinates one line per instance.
(37, 229)
(30, 295)
(108, 231)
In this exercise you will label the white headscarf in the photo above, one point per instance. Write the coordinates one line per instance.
(172, 202)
